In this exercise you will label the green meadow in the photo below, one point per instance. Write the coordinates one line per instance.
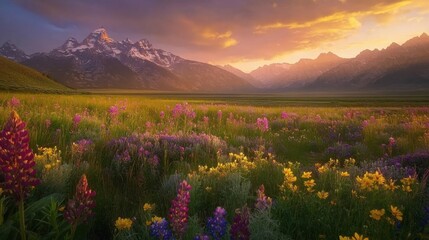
(222, 166)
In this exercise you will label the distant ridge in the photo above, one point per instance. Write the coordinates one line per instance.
(397, 67)
(102, 62)
(16, 77)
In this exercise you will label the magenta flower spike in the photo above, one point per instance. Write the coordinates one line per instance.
(80, 207)
(179, 209)
(17, 159)
(240, 226)
(262, 201)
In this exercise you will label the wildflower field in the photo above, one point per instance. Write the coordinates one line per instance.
(212, 167)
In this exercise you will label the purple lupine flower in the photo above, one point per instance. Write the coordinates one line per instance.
(122, 105)
(82, 146)
(425, 219)
(262, 201)
(14, 102)
(153, 161)
(201, 237)
(206, 120)
(191, 114)
(140, 152)
(177, 110)
(240, 226)
(262, 124)
(219, 115)
(216, 225)
(179, 209)
(123, 157)
(16, 159)
(48, 123)
(284, 115)
(79, 208)
(113, 111)
(160, 230)
(149, 125)
(162, 114)
(392, 141)
(76, 120)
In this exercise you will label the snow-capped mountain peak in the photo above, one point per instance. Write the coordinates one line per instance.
(144, 44)
(70, 43)
(10, 46)
(99, 34)
(126, 41)
(10, 51)
(98, 42)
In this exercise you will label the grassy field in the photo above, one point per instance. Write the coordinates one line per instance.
(296, 166)
(17, 77)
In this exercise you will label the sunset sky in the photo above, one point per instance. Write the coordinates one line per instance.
(243, 33)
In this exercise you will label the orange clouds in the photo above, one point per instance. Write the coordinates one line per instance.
(223, 39)
(238, 30)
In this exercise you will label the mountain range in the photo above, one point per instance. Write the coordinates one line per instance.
(102, 62)
(398, 67)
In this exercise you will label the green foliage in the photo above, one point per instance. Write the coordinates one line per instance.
(217, 178)
(263, 226)
(17, 77)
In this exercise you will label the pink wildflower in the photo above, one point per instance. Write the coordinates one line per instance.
(76, 120)
(179, 209)
(79, 209)
(14, 102)
(263, 202)
(16, 159)
(262, 124)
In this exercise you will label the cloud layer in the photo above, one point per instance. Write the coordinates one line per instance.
(234, 30)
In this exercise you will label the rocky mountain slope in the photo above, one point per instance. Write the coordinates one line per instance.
(101, 62)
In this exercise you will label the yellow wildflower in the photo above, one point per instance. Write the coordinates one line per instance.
(309, 183)
(390, 221)
(358, 237)
(344, 238)
(148, 207)
(408, 180)
(349, 162)
(364, 183)
(322, 194)
(154, 219)
(378, 178)
(48, 166)
(293, 188)
(390, 185)
(345, 174)
(306, 175)
(322, 169)
(377, 214)
(61, 209)
(123, 223)
(406, 188)
(396, 212)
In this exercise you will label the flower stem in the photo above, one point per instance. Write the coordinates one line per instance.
(22, 219)
(73, 231)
